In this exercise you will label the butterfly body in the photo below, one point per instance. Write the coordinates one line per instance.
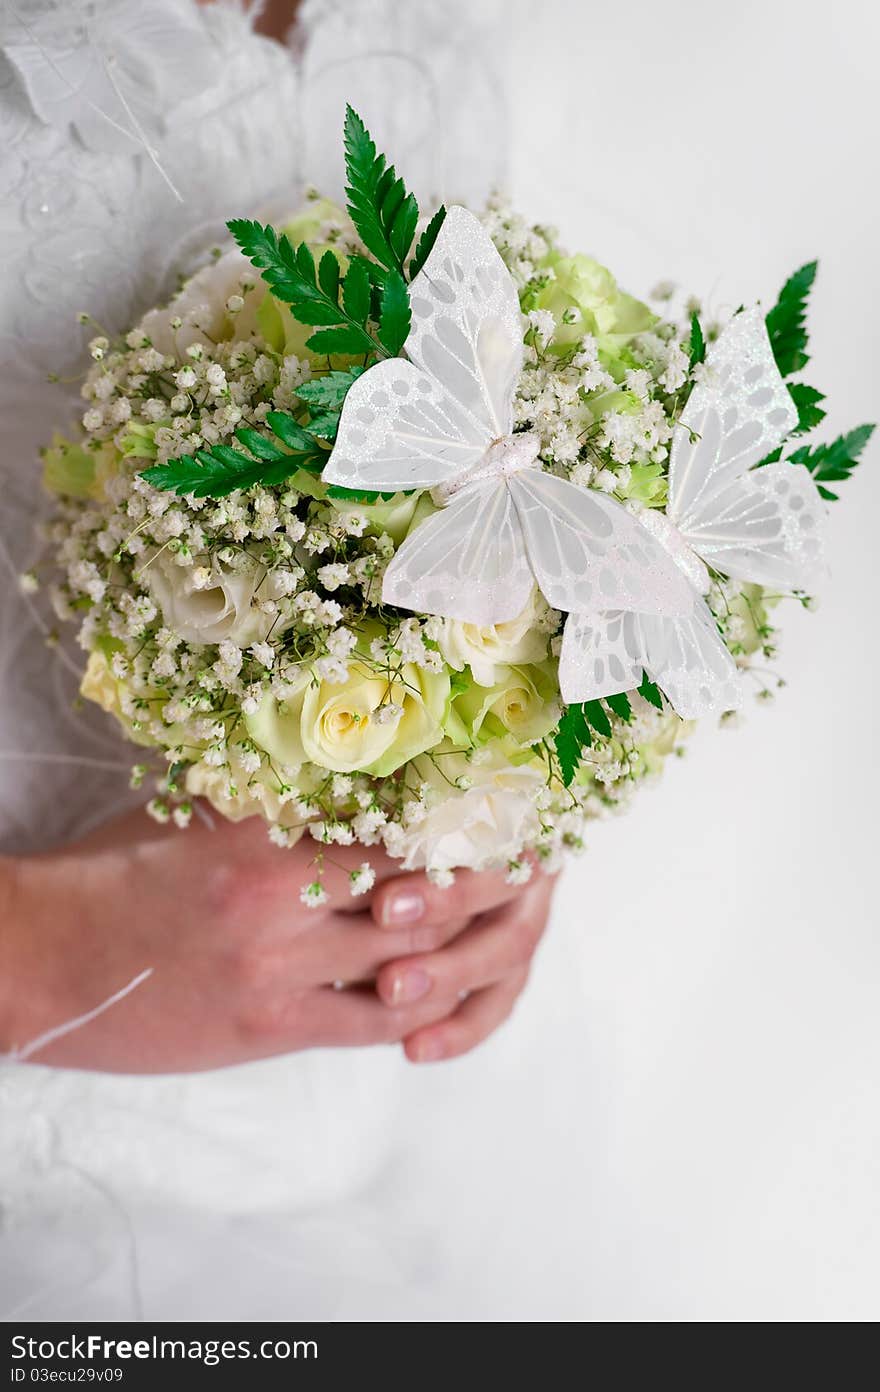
(506, 456)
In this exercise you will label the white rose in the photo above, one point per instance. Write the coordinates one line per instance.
(238, 796)
(487, 650)
(224, 608)
(485, 827)
(201, 304)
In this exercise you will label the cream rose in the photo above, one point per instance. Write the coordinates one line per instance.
(486, 826)
(487, 650)
(99, 685)
(212, 602)
(238, 797)
(368, 724)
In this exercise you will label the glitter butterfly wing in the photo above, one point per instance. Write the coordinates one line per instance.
(468, 561)
(589, 554)
(607, 653)
(401, 429)
(420, 423)
(764, 525)
(467, 326)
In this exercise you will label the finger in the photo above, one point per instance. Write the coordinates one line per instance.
(474, 1020)
(350, 948)
(356, 1017)
(494, 945)
(411, 900)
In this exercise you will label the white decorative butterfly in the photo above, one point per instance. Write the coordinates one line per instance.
(444, 419)
(762, 525)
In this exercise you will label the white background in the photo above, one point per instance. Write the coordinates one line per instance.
(730, 937)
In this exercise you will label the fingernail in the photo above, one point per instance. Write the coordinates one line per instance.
(410, 985)
(429, 1049)
(407, 906)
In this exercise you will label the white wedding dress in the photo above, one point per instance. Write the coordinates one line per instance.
(339, 1184)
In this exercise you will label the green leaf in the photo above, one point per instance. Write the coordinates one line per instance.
(384, 214)
(834, 462)
(571, 739)
(316, 312)
(291, 275)
(258, 445)
(356, 292)
(328, 275)
(650, 692)
(289, 431)
(328, 392)
(284, 270)
(597, 717)
(325, 424)
(697, 344)
(403, 227)
(806, 399)
(219, 469)
(620, 705)
(395, 316)
(212, 475)
(357, 495)
(786, 322)
(364, 169)
(426, 242)
(347, 341)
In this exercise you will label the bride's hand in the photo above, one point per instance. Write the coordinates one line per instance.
(240, 968)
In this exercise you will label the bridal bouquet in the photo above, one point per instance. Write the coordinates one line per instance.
(424, 533)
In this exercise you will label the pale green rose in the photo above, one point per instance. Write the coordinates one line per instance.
(489, 651)
(276, 726)
(78, 470)
(68, 468)
(647, 485)
(586, 294)
(139, 441)
(523, 706)
(367, 724)
(315, 214)
(670, 733)
(396, 516)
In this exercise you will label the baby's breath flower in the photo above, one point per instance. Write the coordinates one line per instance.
(519, 872)
(313, 895)
(361, 880)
